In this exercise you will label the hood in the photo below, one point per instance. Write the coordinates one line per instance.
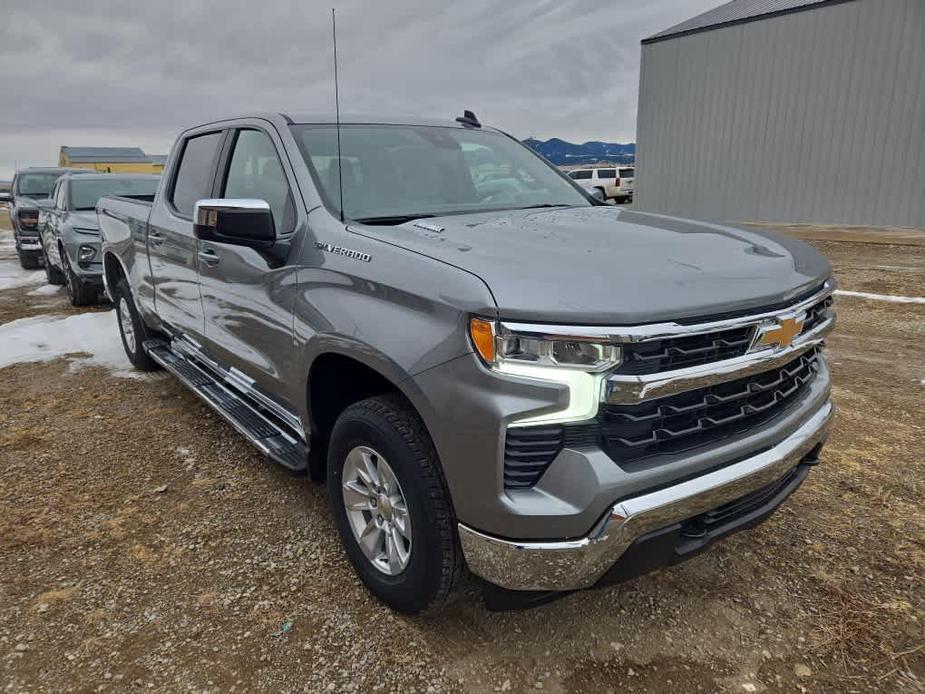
(84, 219)
(27, 202)
(609, 266)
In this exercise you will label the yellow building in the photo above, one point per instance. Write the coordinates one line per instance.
(111, 159)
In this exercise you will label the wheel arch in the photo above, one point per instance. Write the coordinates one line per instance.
(113, 271)
(337, 378)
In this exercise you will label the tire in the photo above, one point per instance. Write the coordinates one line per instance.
(28, 260)
(132, 328)
(78, 291)
(387, 430)
(603, 194)
(52, 274)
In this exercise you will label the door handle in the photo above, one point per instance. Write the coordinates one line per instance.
(209, 257)
(155, 238)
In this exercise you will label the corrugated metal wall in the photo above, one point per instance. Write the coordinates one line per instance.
(812, 116)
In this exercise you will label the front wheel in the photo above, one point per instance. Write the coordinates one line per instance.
(52, 274)
(79, 292)
(132, 328)
(29, 260)
(391, 505)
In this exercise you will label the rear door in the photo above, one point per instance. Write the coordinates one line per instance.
(247, 296)
(607, 179)
(172, 248)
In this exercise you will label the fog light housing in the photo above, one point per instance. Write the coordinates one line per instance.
(85, 254)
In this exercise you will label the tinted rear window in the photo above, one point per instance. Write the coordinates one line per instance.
(85, 192)
(606, 173)
(627, 173)
(194, 177)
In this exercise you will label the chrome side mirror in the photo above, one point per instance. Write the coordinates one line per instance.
(236, 221)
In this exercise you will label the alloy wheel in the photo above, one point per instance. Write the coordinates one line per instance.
(376, 510)
(125, 322)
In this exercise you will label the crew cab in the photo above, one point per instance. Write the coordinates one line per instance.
(29, 186)
(554, 393)
(70, 233)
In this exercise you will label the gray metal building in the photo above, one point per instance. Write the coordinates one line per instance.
(786, 110)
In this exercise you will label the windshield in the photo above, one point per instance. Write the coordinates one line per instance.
(395, 172)
(85, 192)
(36, 185)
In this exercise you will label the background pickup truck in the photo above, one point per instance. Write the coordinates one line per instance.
(29, 186)
(517, 379)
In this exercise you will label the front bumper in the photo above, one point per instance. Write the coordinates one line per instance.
(30, 243)
(580, 563)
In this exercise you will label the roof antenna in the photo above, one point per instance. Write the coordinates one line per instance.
(468, 118)
(340, 166)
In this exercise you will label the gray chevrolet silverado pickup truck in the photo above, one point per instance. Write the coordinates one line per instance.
(488, 367)
(30, 187)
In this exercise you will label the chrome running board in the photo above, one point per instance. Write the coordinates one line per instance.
(261, 422)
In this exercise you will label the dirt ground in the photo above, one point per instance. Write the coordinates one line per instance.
(145, 546)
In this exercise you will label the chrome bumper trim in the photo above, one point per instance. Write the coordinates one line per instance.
(629, 390)
(575, 564)
(30, 244)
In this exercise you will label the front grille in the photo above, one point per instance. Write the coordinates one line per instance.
(656, 356)
(817, 314)
(630, 433)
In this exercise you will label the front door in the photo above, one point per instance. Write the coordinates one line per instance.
(172, 248)
(247, 297)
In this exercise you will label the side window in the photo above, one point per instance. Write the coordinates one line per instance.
(61, 196)
(255, 172)
(194, 177)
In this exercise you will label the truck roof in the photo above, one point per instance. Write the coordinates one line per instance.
(111, 176)
(50, 169)
(328, 118)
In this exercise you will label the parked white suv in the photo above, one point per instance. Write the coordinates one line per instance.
(616, 183)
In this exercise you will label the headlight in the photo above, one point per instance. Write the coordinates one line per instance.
(579, 362)
(85, 254)
(508, 344)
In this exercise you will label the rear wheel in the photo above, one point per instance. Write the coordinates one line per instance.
(391, 505)
(132, 328)
(79, 292)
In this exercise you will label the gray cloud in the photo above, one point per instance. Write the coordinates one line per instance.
(104, 72)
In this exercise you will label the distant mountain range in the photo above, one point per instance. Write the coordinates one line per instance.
(561, 152)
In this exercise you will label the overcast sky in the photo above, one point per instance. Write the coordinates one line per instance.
(110, 72)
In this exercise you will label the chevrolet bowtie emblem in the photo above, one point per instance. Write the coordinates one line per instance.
(779, 334)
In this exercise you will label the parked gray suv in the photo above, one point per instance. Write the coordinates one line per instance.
(555, 393)
(70, 232)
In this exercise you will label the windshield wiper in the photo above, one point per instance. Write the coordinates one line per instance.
(391, 220)
(544, 204)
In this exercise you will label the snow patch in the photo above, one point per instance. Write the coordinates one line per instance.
(46, 290)
(12, 275)
(87, 339)
(883, 297)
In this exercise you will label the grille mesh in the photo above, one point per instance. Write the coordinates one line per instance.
(656, 356)
(629, 433)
